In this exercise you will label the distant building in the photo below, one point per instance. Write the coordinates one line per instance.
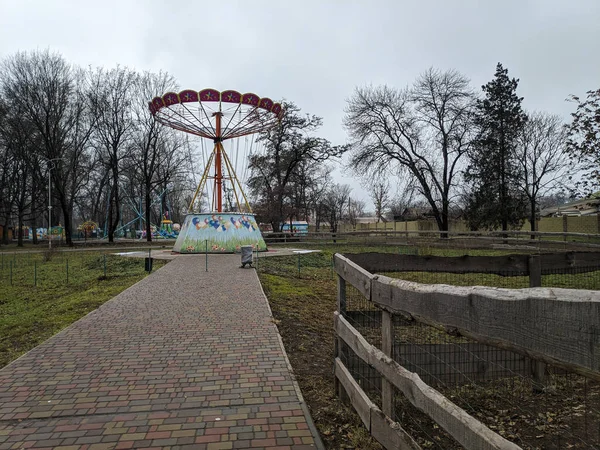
(416, 213)
(585, 207)
(366, 219)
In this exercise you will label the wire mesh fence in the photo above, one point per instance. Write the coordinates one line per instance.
(366, 318)
(577, 279)
(531, 404)
(572, 270)
(534, 405)
(42, 293)
(47, 269)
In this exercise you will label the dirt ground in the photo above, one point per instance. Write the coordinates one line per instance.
(304, 314)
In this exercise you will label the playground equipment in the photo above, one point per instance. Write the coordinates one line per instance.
(166, 227)
(88, 229)
(218, 116)
(139, 219)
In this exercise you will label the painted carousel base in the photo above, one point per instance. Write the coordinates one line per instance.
(219, 233)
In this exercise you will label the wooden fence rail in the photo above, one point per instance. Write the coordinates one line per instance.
(467, 430)
(508, 236)
(556, 326)
(506, 265)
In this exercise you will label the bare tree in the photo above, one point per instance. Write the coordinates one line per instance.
(157, 151)
(380, 194)
(8, 190)
(111, 105)
(356, 208)
(301, 181)
(543, 157)
(52, 96)
(404, 197)
(316, 191)
(426, 129)
(286, 147)
(21, 141)
(584, 139)
(335, 202)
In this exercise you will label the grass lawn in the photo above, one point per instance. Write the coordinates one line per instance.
(41, 301)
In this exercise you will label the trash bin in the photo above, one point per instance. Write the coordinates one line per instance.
(246, 255)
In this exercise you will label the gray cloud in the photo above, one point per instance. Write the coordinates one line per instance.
(314, 52)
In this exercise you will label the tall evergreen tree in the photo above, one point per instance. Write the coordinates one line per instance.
(493, 170)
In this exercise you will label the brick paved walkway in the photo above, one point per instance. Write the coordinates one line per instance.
(185, 358)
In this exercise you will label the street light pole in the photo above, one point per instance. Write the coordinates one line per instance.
(49, 162)
(49, 205)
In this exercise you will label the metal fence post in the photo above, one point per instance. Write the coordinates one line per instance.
(35, 273)
(11, 267)
(67, 268)
(298, 265)
(206, 254)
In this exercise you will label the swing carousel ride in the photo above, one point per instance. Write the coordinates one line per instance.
(219, 116)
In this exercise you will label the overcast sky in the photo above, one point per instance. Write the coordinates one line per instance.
(316, 52)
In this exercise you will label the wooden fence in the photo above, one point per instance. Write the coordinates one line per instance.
(576, 224)
(533, 266)
(395, 237)
(556, 326)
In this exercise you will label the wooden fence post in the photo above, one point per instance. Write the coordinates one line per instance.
(339, 353)
(535, 271)
(538, 368)
(387, 347)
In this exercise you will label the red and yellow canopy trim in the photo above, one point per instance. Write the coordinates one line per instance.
(212, 95)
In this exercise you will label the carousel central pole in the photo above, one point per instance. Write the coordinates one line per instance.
(218, 171)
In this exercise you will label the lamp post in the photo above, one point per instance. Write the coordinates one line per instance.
(49, 206)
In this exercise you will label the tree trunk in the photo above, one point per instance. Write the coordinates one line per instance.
(67, 212)
(147, 213)
(34, 238)
(114, 217)
(532, 218)
(445, 226)
(20, 231)
(5, 233)
(111, 231)
(67, 227)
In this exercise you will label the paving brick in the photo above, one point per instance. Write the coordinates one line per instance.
(183, 358)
